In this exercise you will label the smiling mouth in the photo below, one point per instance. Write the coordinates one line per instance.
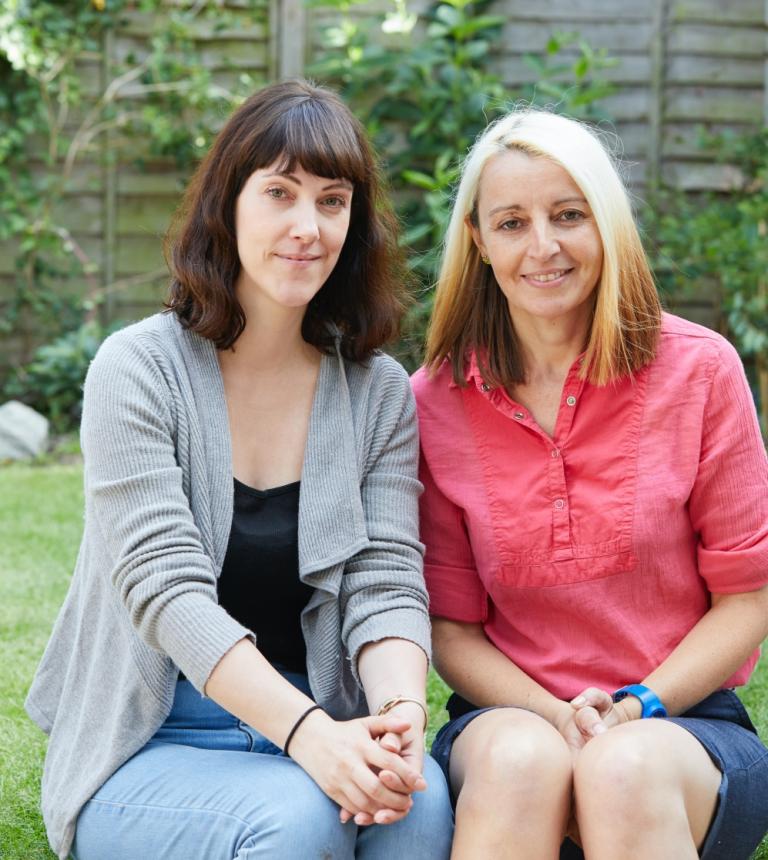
(546, 277)
(298, 258)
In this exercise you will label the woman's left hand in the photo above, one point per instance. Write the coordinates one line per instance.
(595, 712)
(410, 747)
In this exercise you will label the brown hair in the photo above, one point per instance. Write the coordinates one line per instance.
(471, 312)
(290, 123)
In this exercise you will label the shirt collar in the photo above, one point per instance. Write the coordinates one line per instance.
(474, 374)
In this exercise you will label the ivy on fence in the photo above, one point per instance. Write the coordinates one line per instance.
(161, 102)
(722, 239)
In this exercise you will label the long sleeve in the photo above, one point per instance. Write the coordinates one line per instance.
(383, 593)
(163, 574)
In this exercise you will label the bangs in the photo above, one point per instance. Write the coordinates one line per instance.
(318, 138)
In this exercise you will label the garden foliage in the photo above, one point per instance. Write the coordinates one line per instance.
(424, 84)
(52, 382)
(721, 240)
(159, 103)
(425, 87)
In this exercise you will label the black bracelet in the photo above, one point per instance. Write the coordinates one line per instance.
(297, 724)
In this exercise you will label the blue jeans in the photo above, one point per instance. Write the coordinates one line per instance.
(208, 786)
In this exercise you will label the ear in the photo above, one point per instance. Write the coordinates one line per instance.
(475, 233)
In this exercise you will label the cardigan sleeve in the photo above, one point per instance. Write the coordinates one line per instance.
(135, 497)
(729, 501)
(382, 591)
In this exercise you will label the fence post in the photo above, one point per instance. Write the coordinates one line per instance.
(109, 189)
(288, 26)
(765, 65)
(659, 24)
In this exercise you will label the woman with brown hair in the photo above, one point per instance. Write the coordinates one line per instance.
(239, 667)
(595, 517)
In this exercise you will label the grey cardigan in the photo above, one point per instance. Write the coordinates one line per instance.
(158, 483)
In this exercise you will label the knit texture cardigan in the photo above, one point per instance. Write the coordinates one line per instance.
(142, 603)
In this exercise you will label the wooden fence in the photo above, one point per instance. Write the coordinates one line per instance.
(681, 64)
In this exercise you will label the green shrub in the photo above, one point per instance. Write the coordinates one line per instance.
(425, 88)
(52, 382)
(163, 103)
(722, 239)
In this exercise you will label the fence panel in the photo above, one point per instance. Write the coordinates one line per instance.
(682, 65)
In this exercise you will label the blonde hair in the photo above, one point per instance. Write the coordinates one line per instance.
(470, 311)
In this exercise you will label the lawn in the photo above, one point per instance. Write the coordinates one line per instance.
(40, 522)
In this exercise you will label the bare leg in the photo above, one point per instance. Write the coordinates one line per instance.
(512, 773)
(644, 789)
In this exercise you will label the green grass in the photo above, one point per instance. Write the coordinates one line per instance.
(40, 524)
(755, 697)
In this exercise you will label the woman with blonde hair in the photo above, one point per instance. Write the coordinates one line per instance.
(595, 517)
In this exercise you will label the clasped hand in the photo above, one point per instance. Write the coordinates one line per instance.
(589, 714)
(369, 766)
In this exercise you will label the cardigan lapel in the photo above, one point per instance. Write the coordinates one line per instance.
(202, 366)
(331, 519)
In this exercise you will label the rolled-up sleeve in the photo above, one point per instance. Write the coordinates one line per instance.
(729, 500)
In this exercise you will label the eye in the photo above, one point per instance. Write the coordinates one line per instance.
(510, 224)
(335, 202)
(277, 193)
(571, 215)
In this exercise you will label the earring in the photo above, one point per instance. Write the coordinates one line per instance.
(485, 259)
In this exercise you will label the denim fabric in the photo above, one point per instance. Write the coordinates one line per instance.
(722, 726)
(209, 787)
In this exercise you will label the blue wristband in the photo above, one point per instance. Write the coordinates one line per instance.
(651, 703)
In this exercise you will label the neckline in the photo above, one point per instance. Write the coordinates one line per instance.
(270, 491)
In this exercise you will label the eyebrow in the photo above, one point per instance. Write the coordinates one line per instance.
(338, 183)
(514, 206)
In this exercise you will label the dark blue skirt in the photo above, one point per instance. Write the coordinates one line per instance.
(722, 726)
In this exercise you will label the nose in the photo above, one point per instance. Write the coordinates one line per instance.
(305, 227)
(543, 243)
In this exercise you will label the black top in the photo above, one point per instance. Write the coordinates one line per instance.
(259, 583)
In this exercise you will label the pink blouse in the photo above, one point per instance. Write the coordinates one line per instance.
(588, 555)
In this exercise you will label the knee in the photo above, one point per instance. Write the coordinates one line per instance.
(523, 754)
(622, 770)
(525, 757)
(299, 828)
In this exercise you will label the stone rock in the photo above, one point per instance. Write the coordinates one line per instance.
(23, 431)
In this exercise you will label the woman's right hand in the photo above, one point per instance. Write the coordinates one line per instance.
(344, 758)
(565, 720)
